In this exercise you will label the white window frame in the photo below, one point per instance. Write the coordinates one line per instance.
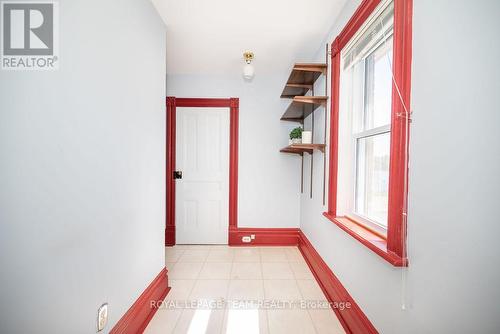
(355, 136)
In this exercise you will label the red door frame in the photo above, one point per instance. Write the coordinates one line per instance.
(172, 104)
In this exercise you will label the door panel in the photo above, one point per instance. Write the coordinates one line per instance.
(202, 195)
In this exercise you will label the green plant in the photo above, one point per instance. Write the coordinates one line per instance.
(296, 133)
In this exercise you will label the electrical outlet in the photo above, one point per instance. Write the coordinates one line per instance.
(102, 317)
(246, 239)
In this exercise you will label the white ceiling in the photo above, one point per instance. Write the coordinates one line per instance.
(210, 36)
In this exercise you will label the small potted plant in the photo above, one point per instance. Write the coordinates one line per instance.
(296, 136)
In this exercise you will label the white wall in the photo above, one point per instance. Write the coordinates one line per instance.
(454, 183)
(268, 181)
(82, 149)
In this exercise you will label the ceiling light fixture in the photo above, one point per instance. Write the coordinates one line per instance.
(248, 70)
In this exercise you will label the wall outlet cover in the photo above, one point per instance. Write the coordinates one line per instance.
(246, 239)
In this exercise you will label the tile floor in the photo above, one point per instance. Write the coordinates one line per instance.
(221, 289)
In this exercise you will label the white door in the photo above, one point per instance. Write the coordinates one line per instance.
(202, 194)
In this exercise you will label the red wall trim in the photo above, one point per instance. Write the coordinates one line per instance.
(234, 105)
(398, 193)
(203, 102)
(371, 240)
(334, 130)
(170, 182)
(140, 313)
(352, 319)
(172, 104)
(264, 236)
(170, 235)
(359, 17)
(400, 129)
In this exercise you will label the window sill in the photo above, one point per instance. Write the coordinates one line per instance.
(368, 238)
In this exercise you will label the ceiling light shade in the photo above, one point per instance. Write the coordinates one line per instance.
(248, 69)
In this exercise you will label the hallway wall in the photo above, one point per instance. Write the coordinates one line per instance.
(268, 182)
(82, 186)
(454, 183)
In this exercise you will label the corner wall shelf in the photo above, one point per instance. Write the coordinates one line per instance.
(301, 148)
(302, 79)
(300, 88)
(303, 106)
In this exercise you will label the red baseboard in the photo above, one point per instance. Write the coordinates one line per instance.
(140, 313)
(352, 319)
(264, 236)
(170, 235)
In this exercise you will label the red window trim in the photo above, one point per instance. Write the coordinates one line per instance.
(393, 247)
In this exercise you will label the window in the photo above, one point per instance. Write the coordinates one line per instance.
(365, 117)
(371, 62)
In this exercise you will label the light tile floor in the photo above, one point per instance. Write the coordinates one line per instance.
(209, 284)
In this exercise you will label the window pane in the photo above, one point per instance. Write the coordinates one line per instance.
(378, 86)
(372, 177)
(374, 31)
(365, 100)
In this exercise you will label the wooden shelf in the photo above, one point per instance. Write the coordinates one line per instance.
(302, 78)
(300, 88)
(301, 148)
(303, 106)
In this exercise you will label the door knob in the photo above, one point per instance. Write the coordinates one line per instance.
(177, 174)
